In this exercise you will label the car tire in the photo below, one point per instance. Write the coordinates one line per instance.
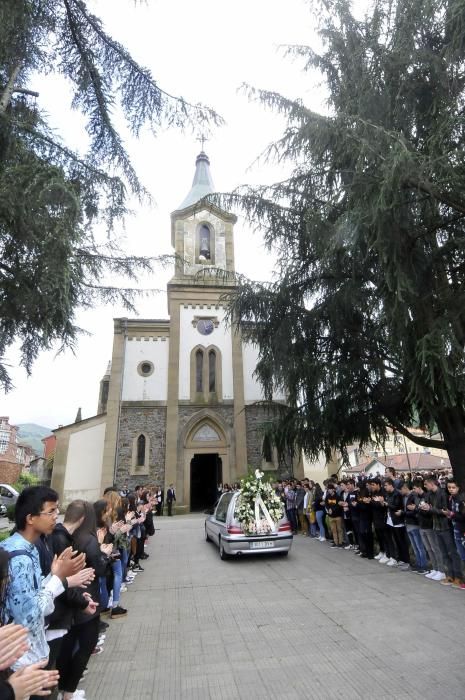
(223, 555)
(283, 554)
(207, 536)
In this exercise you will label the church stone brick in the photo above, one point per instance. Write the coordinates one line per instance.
(152, 422)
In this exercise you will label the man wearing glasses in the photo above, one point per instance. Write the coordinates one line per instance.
(29, 597)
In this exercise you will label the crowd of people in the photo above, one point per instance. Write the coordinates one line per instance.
(61, 585)
(415, 524)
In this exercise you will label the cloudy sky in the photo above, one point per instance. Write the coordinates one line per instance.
(204, 51)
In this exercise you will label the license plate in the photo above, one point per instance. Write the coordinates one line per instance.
(261, 545)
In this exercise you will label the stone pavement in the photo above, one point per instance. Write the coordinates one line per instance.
(320, 624)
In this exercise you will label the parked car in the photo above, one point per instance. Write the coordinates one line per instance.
(223, 529)
(8, 495)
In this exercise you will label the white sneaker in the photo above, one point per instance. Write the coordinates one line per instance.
(439, 576)
(322, 539)
(431, 574)
(379, 556)
(384, 559)
(391, 562)
(349, 546)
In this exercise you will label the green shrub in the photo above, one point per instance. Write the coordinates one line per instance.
(25, 480)
(4, 534)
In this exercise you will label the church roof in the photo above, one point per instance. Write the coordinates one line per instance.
(202, 184)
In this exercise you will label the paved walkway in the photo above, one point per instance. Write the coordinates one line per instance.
(320, 624)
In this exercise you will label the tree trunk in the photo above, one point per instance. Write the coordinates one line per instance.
(9, 89)
(456, 452)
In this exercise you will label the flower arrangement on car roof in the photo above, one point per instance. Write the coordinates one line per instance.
(258, 508)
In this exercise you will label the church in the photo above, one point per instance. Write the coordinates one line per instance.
(178, 404)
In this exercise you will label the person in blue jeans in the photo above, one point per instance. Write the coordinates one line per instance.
(411, 502)
(456, 507)
(320, 512)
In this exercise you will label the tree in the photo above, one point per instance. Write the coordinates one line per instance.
(52, 198)
(364, 324)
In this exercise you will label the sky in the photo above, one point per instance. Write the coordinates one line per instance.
(203, 51)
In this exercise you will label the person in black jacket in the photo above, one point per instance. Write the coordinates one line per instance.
(395, 527)
(378, 507)
(450, 571)
(411, 501)
(365, 521)
(82, 638)
(335, 512)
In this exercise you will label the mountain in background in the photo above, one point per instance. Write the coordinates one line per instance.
(32, 434)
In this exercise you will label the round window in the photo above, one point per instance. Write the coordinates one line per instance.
(145, 368)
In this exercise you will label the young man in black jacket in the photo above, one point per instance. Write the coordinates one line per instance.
(395, 527)
(450, 571)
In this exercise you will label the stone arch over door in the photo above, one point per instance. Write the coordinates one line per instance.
(204, 433)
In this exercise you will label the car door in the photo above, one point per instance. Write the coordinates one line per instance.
(221, 513)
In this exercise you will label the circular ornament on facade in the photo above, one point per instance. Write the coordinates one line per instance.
(205, 326)
(145, 368)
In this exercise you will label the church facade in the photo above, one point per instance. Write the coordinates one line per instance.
(179, 401)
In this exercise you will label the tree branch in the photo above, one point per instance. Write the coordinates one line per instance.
(422, 441)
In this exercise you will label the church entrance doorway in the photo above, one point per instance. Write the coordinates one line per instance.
(206, 474)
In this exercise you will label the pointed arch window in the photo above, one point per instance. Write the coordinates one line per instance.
(267, 451)
(205, 242)
(140, 458)
(212, 371)
(199, 371)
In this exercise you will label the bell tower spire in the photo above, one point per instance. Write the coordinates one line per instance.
(202, 235)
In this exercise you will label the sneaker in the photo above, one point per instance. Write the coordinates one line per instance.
(379, 556)
(403, 566)
(448, 581)
(322, 539)
(359, 554)
(439, 576)
(137, 567)
(431, 573)
(144, 555)
(123, 589)
(422, 572)
(333, 546)
(459, 585)
(384, 559)
(97, 651)
(349, 546)
(103, 626)
(118, 612)
(105, 612)
(391, 562)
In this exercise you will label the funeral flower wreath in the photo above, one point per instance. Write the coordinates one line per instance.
(259, 509)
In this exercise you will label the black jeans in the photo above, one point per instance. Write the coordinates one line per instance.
(170, 506)
(398, 543)
(71, 666)
(366, 538)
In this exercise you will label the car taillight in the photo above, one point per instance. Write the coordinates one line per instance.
(234, 530)
(284, 527)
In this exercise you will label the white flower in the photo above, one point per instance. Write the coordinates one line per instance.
(258, 474)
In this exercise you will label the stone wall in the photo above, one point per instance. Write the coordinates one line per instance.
(9, 471)
(152, 422)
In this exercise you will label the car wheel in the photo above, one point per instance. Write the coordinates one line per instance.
(223, 555)
(283, 554)
(207, 536)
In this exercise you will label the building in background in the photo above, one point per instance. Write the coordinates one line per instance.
(179, 401)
